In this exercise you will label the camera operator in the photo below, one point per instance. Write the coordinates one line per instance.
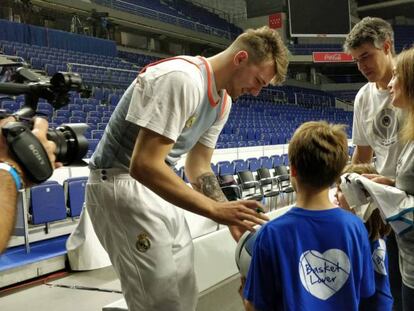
(12, 177)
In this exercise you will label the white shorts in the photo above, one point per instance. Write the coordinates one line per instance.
(147, 239)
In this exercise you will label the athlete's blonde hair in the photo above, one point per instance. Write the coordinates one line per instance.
(264, 44)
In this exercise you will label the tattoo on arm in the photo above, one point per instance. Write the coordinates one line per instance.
(208, 185)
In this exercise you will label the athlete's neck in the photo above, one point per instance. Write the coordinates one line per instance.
(221, 70)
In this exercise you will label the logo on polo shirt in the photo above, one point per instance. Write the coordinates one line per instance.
(190, 122)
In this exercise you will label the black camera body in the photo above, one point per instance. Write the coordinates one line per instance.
(71, 144)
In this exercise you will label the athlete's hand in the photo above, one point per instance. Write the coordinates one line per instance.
(240, 215)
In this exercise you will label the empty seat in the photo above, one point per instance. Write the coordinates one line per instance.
(97, 134)
(250, 187)
(283, 180)
(75, 195)
(269, 186)
(230, 188)
(10, 106)
(47, 203)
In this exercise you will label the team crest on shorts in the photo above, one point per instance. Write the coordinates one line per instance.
(190, 121)
(143, 243)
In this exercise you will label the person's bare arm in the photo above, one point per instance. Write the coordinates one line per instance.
(8, 190)
(8, 201)
(198, 171)
(362, 154)
(149, 168)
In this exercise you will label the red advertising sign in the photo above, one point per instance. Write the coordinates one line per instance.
(331, 57)
(275, 21)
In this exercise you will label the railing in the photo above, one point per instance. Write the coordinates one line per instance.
(166, 18)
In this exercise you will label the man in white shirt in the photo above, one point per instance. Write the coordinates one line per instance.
(376, 122)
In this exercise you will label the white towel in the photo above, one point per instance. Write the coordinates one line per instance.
(396, 207)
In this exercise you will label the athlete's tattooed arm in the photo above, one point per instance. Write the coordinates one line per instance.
(207, 184)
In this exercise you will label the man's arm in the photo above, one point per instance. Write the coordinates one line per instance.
(198, 171)
(8, 201)
(149, 168)
(362, 154)
(8, 189)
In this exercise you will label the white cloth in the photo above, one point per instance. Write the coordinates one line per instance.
(376, 124)
(167, 112)
(85, 252)
(396, 206)
(147, 239)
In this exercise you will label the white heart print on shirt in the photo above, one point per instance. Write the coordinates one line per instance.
(324, 274)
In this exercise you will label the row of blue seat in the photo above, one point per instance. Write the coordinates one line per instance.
(51, 201)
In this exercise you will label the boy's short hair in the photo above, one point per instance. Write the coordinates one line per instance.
(319, 152)
(264, 44)
(372, 30)
(375, 225)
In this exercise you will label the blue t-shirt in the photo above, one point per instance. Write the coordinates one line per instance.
(311, 260)
(382, 299)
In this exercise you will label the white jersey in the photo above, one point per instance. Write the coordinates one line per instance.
(176, 98)
(376, 124)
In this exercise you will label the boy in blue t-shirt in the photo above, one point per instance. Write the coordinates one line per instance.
(316, 256)
(377, 230)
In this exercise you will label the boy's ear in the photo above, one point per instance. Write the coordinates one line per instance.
(293, 171)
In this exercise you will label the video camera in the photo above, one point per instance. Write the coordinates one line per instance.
(71, 144)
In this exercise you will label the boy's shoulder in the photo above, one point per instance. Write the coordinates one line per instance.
(298, 215)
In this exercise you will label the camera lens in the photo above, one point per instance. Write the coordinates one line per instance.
(71, 144)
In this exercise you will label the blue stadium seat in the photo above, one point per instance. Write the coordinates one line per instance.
(47, 203)
(276, 160)
(89, 107)
(266, 162)
(253, 164)
(60, 120)
(75, 195)
(105, 119)
(214, 168)
(101, 108)
(78, 113)
(97, 134)
(92, 146)
(97, 114)
(225, 168)
(240, 165)
(101, 126)
(10, 106)
(63, 114)
(94, 120)
(77, 119)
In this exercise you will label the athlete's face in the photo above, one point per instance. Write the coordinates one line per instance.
(372, 62)
(399, 99)
(250, 78)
